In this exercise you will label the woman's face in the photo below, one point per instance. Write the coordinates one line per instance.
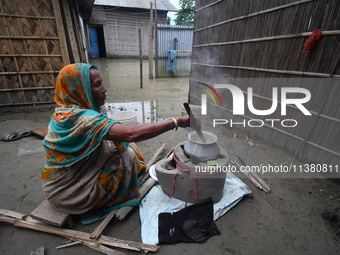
(97, 88)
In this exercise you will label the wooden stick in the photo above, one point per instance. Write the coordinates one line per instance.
(98, 247)
(98, 231)
(158, 152)
(265, 186)
(69, 244)
(69, 233)
(102, 248)
(250, 177)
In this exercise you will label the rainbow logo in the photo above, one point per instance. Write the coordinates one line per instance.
(210, 94)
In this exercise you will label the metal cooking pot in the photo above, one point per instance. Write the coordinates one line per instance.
(199, 151)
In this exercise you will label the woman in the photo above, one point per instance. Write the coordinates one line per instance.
(89, 163)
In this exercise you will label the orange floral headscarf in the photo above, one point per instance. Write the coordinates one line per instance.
(76, 127)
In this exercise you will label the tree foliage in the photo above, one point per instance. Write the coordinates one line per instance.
(186, 14)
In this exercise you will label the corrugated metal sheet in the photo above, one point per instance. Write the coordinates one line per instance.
(163, 5)
(167, 35)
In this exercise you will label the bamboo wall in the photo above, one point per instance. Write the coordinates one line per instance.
(259, 43)
(36, 40)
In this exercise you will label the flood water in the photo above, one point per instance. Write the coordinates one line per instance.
(159, 99)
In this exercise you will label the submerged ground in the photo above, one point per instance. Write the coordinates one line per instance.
(298, 216)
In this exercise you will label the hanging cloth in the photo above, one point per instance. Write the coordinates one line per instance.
(171, 60)
(312, 41)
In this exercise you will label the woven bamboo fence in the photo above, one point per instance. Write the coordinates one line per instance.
(259, 44)
(36, 40)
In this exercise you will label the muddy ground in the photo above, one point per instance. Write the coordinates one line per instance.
(299, 215)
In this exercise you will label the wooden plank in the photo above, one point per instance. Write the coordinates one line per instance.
(46, 213)
(41, 132)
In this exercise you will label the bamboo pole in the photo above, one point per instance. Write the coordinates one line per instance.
(77, 36)
(29, 55)
(156, 42)
(311, 74)
(26, 16)
(249, 15)
(283, 132)
(208, 5)
(151, 43)
(61, 32)
(29, 37)
(29, 72)
(140, 59)
(278, 37)
(34, 88)
(27, 103)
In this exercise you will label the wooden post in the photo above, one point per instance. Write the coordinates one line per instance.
(140, 57)
(175, 48)
(151, 43)
(156, 42)
(61, 32)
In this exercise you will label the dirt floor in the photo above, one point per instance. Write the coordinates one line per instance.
(298, 216)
